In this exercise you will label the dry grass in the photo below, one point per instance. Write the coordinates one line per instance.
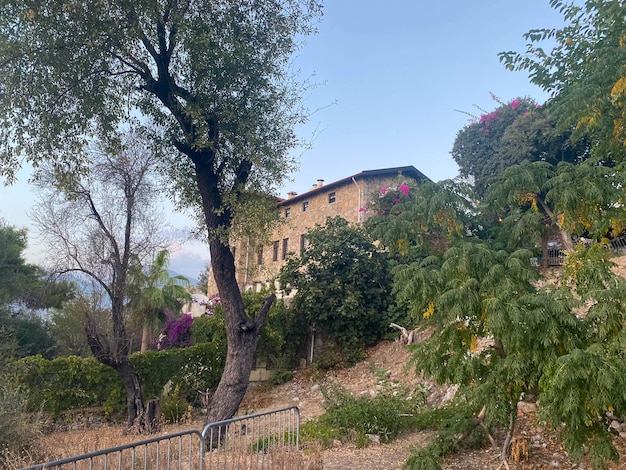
(181, 453)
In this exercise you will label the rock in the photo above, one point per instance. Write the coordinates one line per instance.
(295, 399)
(315, 388)
(375, 438)
(616, 425)
(526, 407)
(337, 443)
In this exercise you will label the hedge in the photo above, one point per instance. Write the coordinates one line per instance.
(73, 382)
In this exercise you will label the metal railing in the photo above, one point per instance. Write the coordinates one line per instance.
(242, 442)
(182, 450)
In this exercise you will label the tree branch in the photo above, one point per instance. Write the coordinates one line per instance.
(259, 321)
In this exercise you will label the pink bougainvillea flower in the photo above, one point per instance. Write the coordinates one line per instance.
(515, 104)
(362, 209)
(404, 189)
(383, 191)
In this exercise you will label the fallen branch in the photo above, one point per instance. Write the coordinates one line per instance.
(407, 337)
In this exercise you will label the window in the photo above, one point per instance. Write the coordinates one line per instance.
(303, 243)
(287, 212)
(275, 251)
(332, 197)
(285, 247)
(259, 255)
(305, 206)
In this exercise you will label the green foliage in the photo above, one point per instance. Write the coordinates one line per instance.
(422, 221)
(343, 284)
(174, 408)
(449, 423)
(480, 148)
(65, 383)
(209, 328)
(387, 414)
(571, 199)
(581, 66)
(18, 277)
(67, 327)
(73, 382)
(153, 292)
(475, 295)
(19, 428)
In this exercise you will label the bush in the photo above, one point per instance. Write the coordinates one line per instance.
(348, 418)
(73, 382)
(174, 408)
(19, 429)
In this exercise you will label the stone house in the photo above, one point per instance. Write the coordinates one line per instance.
(257, 266)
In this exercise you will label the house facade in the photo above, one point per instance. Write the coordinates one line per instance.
(258, 265)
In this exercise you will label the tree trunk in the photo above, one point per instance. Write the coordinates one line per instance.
(145, 337)
(235, 378)
(118, 360)
(242, 333)
(136, 422)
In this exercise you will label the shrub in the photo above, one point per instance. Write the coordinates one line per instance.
(19, 428)
(348, 418)
(174, 408)
(74, 382)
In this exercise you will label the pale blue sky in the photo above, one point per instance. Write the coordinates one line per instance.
(391, 75)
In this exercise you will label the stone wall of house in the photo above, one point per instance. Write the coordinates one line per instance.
(258, 266)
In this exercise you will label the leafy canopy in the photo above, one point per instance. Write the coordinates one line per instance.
(204, 77)
(582, 66)
(342, 283)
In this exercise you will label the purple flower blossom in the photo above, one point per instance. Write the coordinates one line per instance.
(176, 331)
(515, 104)
(404, 189)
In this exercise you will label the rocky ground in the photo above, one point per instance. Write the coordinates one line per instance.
(537, 447)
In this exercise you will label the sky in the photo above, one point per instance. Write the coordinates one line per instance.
(390, 84)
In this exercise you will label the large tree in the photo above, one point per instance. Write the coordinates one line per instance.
(582, 66)
(513, 132)
(212, 79)
(95, 226)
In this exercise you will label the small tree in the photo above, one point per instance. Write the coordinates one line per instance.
(152, 292)
(96, 225)
(342, 284)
